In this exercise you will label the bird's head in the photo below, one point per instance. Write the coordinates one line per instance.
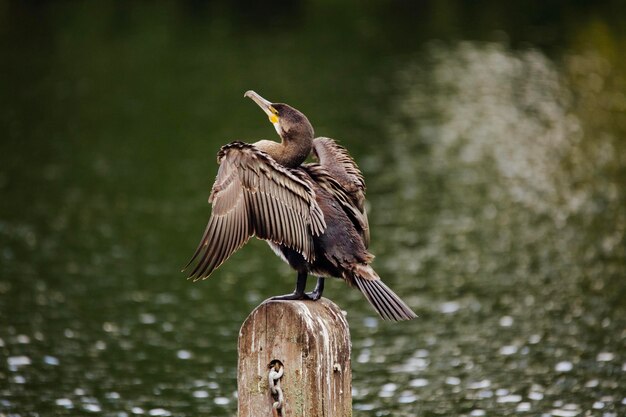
(290, 124)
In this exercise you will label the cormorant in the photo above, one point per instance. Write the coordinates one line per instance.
(311, 214)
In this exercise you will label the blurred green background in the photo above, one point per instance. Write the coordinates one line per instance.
(493, 140)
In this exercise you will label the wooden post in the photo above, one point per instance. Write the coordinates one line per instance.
(311, 340)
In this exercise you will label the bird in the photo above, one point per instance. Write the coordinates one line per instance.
(312, 214)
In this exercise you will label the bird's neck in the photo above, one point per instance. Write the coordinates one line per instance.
(289, 152)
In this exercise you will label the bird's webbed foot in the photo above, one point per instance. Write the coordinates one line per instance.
(293, 296)
(298, 293)
(316, 294)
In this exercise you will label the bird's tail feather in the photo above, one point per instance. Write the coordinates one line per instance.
(386, 303)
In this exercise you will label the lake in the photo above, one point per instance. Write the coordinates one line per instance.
(493, 142)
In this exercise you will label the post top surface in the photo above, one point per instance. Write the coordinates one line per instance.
(314, 315)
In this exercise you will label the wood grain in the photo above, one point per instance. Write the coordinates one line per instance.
(312, 340)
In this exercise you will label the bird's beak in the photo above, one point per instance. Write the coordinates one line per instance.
(265, 105)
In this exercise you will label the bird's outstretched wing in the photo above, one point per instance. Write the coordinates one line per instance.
(344, 171)
(254, 195)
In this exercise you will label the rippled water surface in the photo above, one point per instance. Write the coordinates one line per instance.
(494, 148)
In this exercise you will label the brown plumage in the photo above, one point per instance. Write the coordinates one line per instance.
(312, 215)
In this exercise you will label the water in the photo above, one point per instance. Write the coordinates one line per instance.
(494, 154)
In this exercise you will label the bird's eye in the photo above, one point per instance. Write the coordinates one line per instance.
(273, 110)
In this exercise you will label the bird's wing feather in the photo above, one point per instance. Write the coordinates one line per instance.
(254, 195)
(336, 159)
(344, 171)
(325, 180)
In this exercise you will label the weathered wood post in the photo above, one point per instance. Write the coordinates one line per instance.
(311, 342)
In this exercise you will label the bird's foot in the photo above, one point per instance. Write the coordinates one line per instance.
(316, 294)
(299, 293)
(292, 296)
(313, 295)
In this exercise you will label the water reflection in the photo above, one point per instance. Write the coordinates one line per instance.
(517, 238)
